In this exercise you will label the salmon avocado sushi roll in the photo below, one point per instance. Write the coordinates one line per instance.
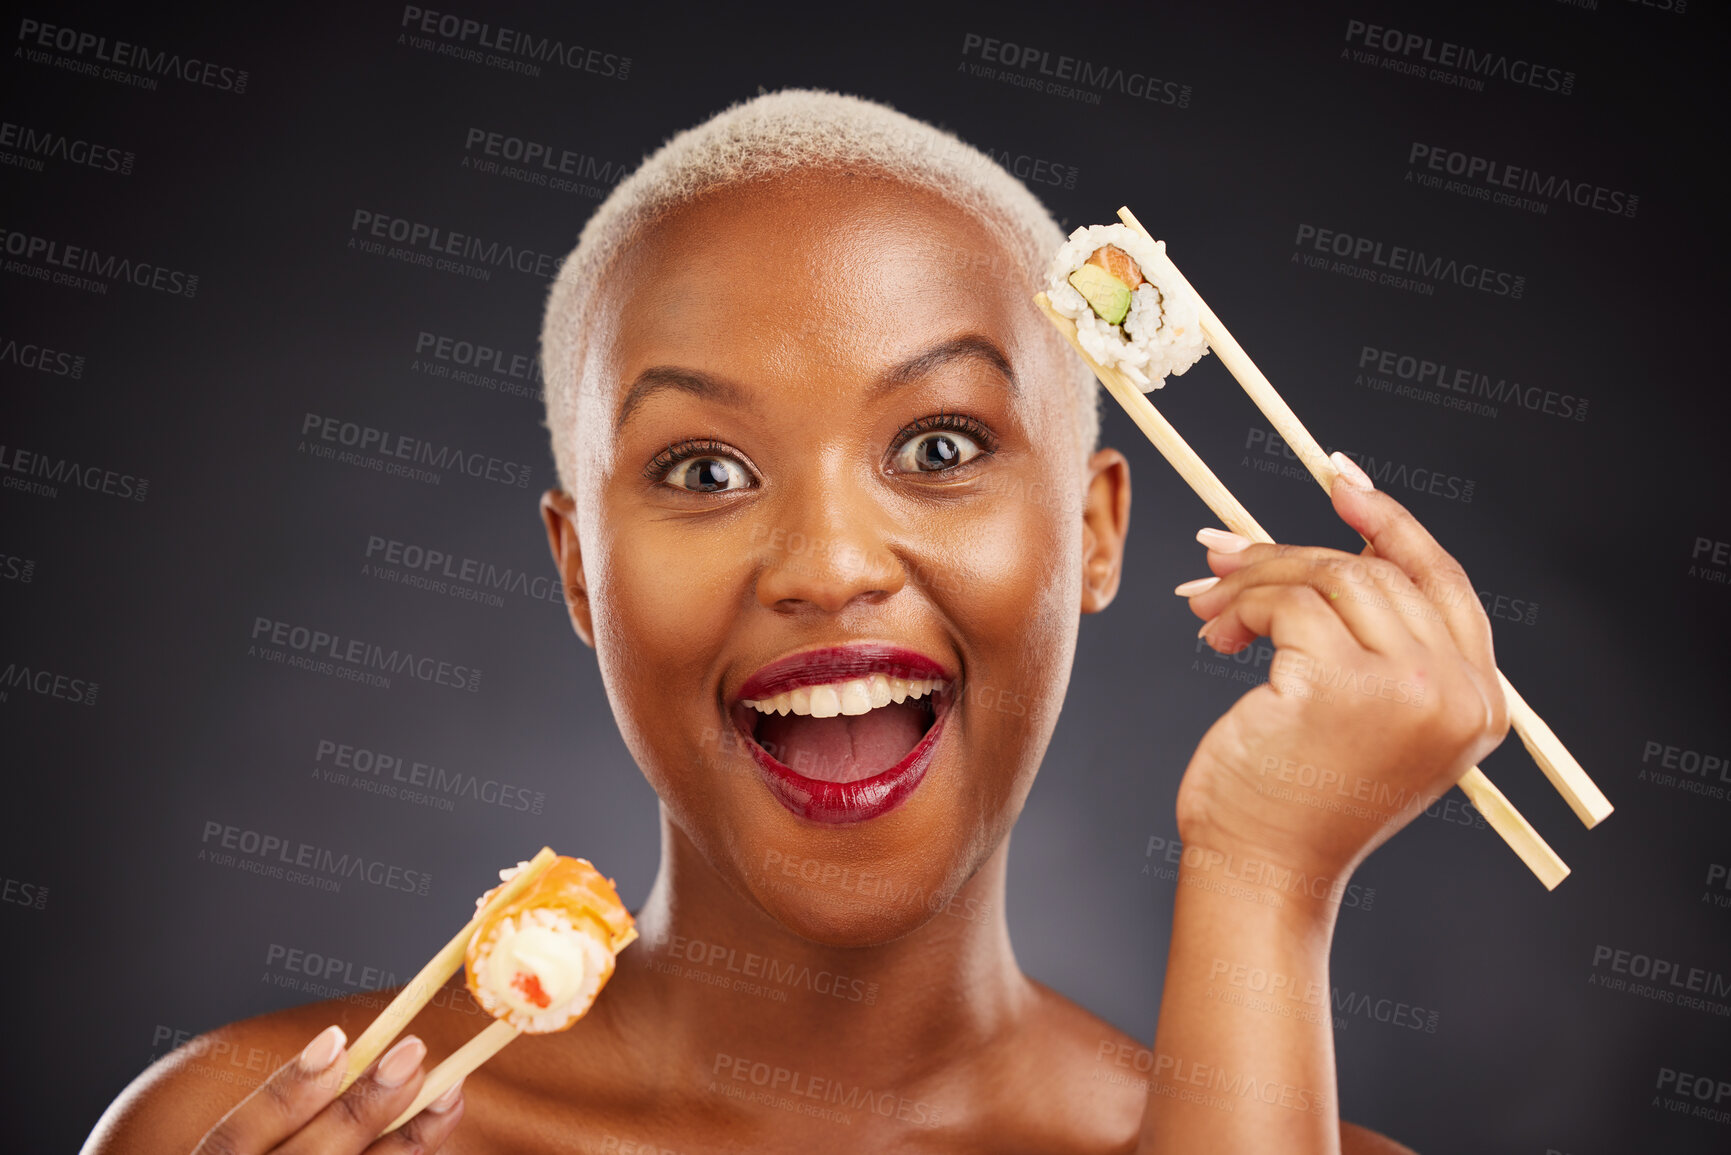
(539, 961)
(1128, 315)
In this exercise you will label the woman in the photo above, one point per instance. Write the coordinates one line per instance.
(829, 500)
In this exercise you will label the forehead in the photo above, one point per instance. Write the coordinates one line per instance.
(831, 275)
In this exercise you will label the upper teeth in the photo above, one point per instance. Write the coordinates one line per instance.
(855, 696)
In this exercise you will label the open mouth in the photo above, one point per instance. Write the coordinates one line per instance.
(846, 733)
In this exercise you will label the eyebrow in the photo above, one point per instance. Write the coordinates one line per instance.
(659, 377)
(971, 346)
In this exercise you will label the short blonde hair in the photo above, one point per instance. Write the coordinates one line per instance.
(777, 134)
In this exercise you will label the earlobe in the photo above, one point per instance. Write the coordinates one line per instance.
(559, 515)
(1105, 525)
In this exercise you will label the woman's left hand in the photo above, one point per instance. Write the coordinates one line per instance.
(1382, 692)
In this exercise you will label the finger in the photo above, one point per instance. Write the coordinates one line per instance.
(295, 1093)
(1396, 536)
(1371, 596)
(1294, 617)
(427, 1130)
(1226, 550)
(352, 1123)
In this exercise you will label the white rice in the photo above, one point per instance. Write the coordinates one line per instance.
(493, 979)
(1163, 332)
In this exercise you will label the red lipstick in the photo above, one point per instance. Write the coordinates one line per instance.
(865, 798)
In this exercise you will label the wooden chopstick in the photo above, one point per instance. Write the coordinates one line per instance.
(1571, 781)
(420, 989)
(1499, 813)
(458, 1065)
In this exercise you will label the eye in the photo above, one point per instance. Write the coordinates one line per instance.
(708, 475)
(936, 444)
(700, 467)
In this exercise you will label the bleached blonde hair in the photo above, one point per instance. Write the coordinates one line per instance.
(776, 134)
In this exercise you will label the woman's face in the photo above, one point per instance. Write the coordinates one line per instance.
(827, 455)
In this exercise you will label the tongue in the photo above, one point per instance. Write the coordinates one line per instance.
(844, 748)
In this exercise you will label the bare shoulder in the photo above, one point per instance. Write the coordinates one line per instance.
(1356, 1140)
(1094, 1078)
(174, 1101)
(1074, 1082)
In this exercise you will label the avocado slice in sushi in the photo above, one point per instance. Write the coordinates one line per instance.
(1106, 295)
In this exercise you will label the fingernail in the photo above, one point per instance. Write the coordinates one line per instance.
(1355, 477)
(323, 1050)
(400, 1062)
(1220, 541)
(447, 1100)
(1201, 585)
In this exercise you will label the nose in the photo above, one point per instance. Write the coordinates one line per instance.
(830, 549)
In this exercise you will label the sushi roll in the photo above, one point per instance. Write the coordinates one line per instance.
(539, 961)
(1129, 315)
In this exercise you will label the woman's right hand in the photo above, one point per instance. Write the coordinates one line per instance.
(298, 1109)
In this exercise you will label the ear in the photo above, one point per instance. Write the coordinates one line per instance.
(559, 513)
(1105, 524)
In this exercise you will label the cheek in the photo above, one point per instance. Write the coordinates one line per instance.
(1011, 583)
(662, 609)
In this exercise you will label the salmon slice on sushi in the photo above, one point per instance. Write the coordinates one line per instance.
(538, 961)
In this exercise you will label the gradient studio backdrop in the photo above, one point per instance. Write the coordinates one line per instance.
(1580, 476)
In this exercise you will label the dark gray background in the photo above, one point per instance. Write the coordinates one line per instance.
(118, 936)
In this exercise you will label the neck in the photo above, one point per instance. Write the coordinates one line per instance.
(718, 982)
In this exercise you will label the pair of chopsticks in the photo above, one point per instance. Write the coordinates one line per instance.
(413, 997)
(1572, 782)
